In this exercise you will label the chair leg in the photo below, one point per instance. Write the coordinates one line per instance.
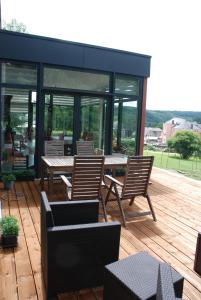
(104, 208)
(120, 206)
(108, 193)
(132, 200)
(151, 207)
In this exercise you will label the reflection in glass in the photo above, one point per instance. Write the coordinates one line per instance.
(62, 78)
(18, 124)
(127, 85)
(124, 126)
(19, 74)
(93, 112)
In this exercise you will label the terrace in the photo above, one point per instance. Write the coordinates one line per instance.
(172, 238)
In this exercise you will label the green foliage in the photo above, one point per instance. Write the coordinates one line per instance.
(24, 173)
(149, 147)
(5, 155)
(8, 177)
(155, 118)
(14, 25)
(185, 142)
(9, 226)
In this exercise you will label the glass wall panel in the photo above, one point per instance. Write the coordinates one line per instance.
(60, 78)
(19, 74)
(93, 112)
(124, 126)
(18, 128)
(127, 85)
(59, 119)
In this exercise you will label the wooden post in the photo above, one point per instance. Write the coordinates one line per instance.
(143, 117)
(119, 126)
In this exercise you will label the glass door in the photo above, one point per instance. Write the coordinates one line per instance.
(58, 121)
(18, 108)
(124, 126)
(93, 119)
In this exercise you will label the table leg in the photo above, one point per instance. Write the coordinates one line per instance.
(42, 177)
(113, 172)
(50, 185)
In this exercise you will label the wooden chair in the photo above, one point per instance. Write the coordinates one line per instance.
(54, 148)
(135, 183)
(87, 148)
(20, 162)
(86, 179)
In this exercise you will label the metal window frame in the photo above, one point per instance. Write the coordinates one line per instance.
(40, 106)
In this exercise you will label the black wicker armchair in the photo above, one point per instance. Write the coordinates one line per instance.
(74, 246)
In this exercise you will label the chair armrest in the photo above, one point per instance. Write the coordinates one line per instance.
(114, 180)
(66, 181)
(75, 212)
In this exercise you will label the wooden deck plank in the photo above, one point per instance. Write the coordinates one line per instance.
(8, 278)
(172, 238)
(32, 241)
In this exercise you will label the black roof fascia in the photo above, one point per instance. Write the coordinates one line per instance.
(32, 48)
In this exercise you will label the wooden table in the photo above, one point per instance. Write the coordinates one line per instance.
(65, 163)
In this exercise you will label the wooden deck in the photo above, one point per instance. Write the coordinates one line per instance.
(177, 203)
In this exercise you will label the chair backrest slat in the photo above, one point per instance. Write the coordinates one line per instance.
(87, 177)
(85, 148)
(54, 148)
(137, 176)
(20, 162)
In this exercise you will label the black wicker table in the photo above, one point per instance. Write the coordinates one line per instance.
(135, 277)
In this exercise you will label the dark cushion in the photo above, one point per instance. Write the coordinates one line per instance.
(75, 212)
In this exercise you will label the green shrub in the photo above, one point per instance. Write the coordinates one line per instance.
(24, 173)
(149, 147)
(9, 226)
(185, 142)
(8, 177)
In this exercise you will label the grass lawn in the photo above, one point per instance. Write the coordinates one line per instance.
(172, 161)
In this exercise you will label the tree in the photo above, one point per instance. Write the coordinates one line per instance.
(15, 26)
(186, 143)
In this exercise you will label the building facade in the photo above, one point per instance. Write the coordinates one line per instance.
(53, 89)
(177, 124)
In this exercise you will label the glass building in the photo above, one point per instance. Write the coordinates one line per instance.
(53, 89)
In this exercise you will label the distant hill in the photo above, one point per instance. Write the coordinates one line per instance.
(156, 118)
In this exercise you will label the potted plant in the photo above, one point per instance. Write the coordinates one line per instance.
(8, 179)
(10, 229)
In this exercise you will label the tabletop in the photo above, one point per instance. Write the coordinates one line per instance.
(68, 161)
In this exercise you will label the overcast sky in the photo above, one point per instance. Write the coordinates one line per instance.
(168, 30)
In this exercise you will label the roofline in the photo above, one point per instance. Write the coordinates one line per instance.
(72, 43)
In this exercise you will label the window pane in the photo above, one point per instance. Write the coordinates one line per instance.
(127, 85)
(93, 112)
(61, 78)
(124, 126)
(18, 124)
(19, 74)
